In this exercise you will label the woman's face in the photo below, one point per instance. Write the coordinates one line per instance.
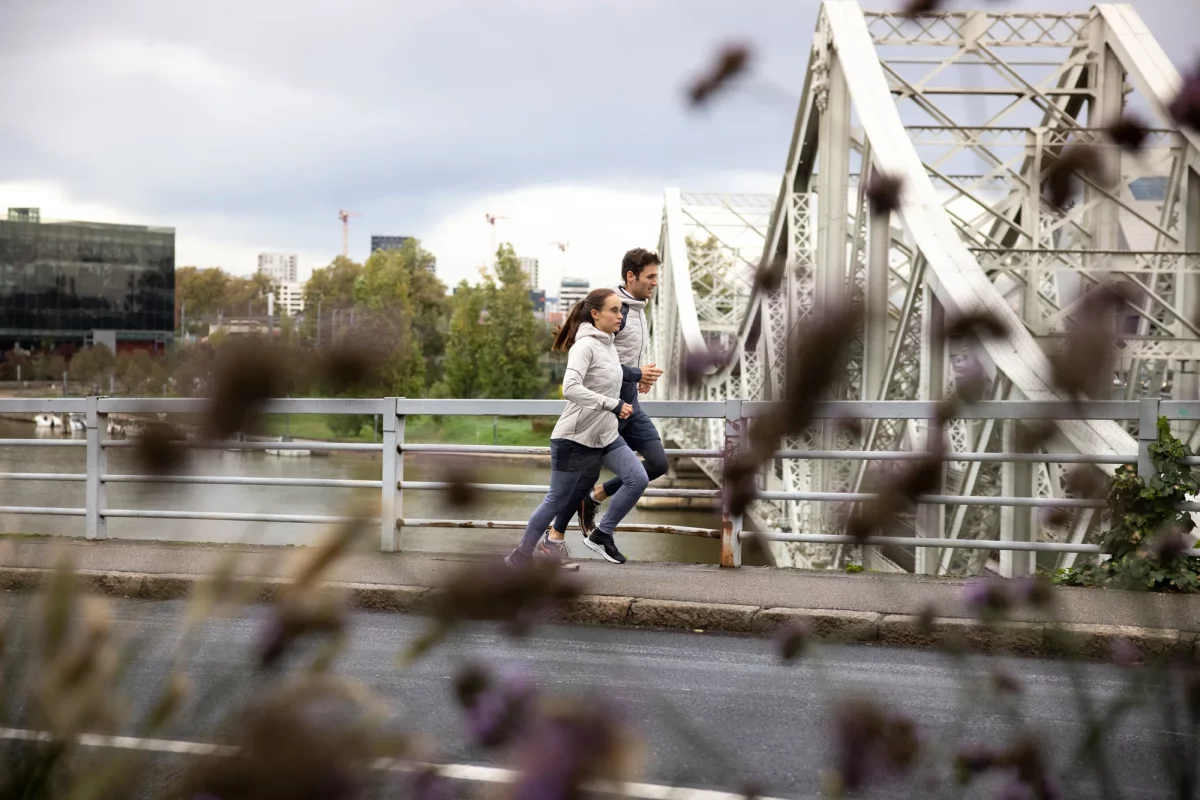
(608, 318)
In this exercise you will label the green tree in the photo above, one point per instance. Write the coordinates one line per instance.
(47, 366)
(328, 288)
(333, 286)
(139, 373)
(200, 292)
(90, 365)
(431, 309)
(384, 292)
(246, 295)
(464, 343)
(509, 355)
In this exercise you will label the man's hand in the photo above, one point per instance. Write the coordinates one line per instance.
(644, 387)
(650, 374)
(625, 411)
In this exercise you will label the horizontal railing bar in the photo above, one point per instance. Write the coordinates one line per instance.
(450, 449)
(197, 405)
(996, 410)
(43, 510)
(944, 499)
(46, 405)
(520, 525)
(526, 488)
(228, 517)
(330, 483)
(987, 458)
(42, 476)
(43, 442)
(667, 409)
(911, 541)
(1179, 409)
(236, 445)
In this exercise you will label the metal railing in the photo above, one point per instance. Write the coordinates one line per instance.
(735, 414)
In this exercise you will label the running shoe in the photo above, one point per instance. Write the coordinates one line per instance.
(556, 552)
(604, 544)
(518, 560)
(587, 514)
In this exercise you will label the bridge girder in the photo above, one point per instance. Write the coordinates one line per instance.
(968, 109)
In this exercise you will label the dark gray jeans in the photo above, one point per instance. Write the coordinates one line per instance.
(566, 474)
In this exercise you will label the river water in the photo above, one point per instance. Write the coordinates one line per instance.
(307, 500)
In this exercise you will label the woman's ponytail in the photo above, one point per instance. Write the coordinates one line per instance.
(581, 312)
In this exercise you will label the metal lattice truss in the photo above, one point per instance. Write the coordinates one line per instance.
(969, 110)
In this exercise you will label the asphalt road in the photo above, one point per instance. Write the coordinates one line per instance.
(714, 711)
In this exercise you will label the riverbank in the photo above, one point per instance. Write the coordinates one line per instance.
(506, 431)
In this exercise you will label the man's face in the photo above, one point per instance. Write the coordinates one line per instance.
(642, 287)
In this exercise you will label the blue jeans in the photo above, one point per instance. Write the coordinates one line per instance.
(570, 466)
(641, 435)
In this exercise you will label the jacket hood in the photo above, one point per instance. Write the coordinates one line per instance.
(629, 299)
(587, 329)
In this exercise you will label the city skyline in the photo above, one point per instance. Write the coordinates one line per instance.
(171, 85)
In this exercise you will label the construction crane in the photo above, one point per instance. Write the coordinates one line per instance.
(492, 218)
(345, 216)
(562, 246)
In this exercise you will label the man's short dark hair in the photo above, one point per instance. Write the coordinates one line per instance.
(637, 260)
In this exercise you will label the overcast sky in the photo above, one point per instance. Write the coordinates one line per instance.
(247, 124)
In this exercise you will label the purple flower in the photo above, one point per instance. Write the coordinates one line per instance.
(566, 749)
(970, 381)
(871, 742)
(500, 710)
(1035, 592)
(986, 596)
(1124, 653)
(792, 639)
(1185, 108)
(1015, 790)
(1128, 133)
(429, 785)
(883, 192)
(1168, 545)
(697, 365)
(973, 760)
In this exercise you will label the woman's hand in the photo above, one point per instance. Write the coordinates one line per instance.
(625, 411)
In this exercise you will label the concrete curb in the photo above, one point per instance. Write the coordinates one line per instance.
(1120, 642)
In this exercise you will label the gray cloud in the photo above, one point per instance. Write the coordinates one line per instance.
(284, 111)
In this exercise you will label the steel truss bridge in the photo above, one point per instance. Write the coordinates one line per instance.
(968, 109)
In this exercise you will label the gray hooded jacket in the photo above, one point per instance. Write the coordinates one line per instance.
(591, 386)
(632, 341)
(633, 336)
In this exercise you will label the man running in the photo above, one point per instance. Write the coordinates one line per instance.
(639, 270)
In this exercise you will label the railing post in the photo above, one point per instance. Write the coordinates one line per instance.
(731, 524)
(96, 501)
(1016, 522)
(1147, 435)
(391, 509)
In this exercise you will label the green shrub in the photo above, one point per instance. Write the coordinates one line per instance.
(1145, 540)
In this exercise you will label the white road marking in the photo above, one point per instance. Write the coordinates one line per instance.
(458, 772)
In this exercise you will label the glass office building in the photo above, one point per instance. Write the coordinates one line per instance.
(65, 281)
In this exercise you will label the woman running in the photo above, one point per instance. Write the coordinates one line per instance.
(585, 436)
